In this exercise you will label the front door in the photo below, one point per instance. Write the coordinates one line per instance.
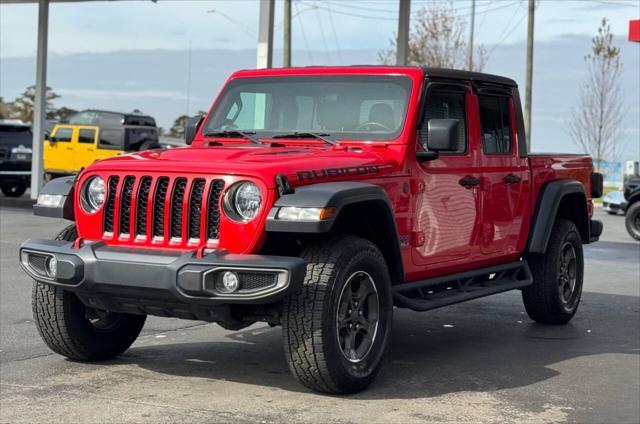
(504, 176)
(447, 198)
(58, 152)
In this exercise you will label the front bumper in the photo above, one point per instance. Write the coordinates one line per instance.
(157, 282)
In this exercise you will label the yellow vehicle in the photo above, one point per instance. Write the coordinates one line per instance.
(92, 135)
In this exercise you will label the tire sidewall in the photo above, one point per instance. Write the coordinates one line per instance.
(572, 236)
(366, 369)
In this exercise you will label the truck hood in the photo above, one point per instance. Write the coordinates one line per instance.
(297, 163)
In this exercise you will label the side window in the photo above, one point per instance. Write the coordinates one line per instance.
(495, 125)
(109, 119)
(63, 134)
(87, 136)
(111, 139)
(446, 105)
(83, 118)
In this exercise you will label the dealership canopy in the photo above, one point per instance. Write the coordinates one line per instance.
(264, 60)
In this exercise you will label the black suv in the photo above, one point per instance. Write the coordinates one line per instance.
(15, 158)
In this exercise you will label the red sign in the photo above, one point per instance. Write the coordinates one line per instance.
(634, 30)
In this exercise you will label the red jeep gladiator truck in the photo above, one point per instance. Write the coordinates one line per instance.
(318, 199)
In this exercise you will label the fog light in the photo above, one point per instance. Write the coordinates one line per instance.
(52, 266)
(228, 283)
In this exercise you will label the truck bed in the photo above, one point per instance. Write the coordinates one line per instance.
(547, 167)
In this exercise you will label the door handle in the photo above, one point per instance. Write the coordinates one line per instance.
(511, 179)
(469, 181)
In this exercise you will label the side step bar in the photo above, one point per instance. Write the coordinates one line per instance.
(455, 288)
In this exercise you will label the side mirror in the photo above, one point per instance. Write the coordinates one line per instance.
(442, 135)
(191, 127)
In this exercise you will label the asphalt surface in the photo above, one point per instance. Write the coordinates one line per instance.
(482, 361)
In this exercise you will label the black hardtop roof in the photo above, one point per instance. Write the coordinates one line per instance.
(116, 113)
(468, 75)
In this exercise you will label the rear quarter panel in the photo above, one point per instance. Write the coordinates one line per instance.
(557, 166)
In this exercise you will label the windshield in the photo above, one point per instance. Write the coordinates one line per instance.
(345, 107)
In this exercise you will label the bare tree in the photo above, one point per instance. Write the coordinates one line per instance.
(437, 39)
(24, 104)
(595, 121)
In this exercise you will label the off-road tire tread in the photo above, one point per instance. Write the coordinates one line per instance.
(302, 318)
(51, 305)
(633, 209)
(540, 298)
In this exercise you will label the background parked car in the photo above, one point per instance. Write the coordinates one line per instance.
(614, 202)
(92, 135)
(15, 157)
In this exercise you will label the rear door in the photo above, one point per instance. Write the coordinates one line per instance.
(58, 152)
(505, 177)
(85, 148)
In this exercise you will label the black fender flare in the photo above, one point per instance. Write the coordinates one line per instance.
(63, 186)
(633, 198)
(337, 195)
(547, 206)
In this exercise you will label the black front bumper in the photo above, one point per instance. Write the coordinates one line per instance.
(158, 282)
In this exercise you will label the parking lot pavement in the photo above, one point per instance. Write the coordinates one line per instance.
(483, 361)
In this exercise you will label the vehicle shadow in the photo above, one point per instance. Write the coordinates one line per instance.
(23, 202)
(485, 345)
(614, 251)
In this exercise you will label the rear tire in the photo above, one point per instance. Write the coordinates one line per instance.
(632, 220)
(555, 294)
(14, 189)
(336, 327)
(71, 329)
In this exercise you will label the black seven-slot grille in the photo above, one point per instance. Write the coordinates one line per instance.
(147, 205)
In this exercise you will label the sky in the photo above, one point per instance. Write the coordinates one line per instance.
(114, 44)
(328, 25)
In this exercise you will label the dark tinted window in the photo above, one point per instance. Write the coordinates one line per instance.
(109, 119)
(111, 139)
(446, 105)
(83, 118)
(63, 134)
(495, 124)
(87, 136)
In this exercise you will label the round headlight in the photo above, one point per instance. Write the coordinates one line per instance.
(93, 194)
(247, 200)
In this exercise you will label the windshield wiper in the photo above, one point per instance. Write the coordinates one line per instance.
(326, 137)
(249, 135)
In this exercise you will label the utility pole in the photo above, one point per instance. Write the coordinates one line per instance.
(188, 80)
(529, 72)
(286, 54)
(265, 34)
(402, 43)
(40, 104)
(473, 25)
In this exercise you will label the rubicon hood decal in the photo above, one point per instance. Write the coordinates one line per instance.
(337, 172)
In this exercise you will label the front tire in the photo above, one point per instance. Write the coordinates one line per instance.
(632, 220)
(336, 327)
(71, 329)
(555, 294)
(14, 189)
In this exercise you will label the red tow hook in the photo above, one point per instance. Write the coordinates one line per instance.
(200, 252)
(77, 244)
